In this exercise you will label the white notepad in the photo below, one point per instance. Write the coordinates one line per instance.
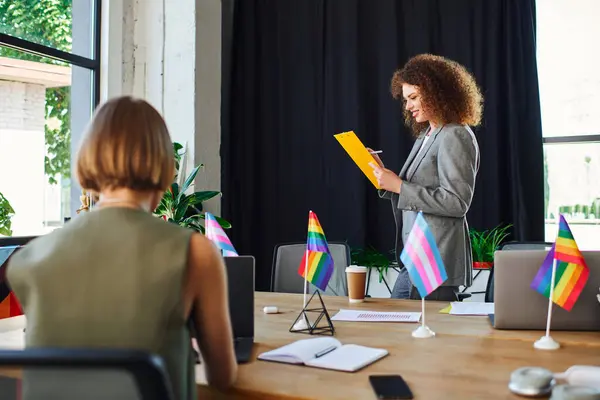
(325, 352)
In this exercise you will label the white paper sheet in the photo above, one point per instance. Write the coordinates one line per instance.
(376, 316)
(471, 308)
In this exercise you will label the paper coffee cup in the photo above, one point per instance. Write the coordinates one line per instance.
(357, 279)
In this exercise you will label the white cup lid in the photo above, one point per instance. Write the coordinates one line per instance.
(356, 268)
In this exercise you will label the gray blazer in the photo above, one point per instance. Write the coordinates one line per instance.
(440, 182)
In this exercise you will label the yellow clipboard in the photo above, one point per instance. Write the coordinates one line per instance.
(359, 154)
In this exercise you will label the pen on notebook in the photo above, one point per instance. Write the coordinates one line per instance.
(326, 351)
(376, 152)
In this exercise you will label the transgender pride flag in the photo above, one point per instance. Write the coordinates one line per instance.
(214, 232)
(421, 258)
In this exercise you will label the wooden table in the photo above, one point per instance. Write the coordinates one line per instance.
(467, 359)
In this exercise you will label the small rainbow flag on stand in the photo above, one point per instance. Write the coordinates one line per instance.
(317, 258)
(422, 259)
(571, 273)
(214, 232)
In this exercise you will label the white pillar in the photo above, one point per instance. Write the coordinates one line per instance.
(169, 53)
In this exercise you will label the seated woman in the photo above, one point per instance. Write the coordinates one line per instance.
(119, 277)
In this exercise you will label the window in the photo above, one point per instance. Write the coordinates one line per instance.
(570, 103)
(49, 86)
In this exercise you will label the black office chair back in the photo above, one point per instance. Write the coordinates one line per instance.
(36, 374)
(513, 245)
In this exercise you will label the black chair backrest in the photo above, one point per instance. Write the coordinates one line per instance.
(48, 373)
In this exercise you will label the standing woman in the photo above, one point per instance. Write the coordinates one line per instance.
(441, 99)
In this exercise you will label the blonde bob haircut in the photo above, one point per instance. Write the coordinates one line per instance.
(127, 145)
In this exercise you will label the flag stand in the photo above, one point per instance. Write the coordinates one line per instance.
(546, 342)
(302, 322)
(423, 331)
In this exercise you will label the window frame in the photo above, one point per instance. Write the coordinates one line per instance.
(571, 139)
(92, 64)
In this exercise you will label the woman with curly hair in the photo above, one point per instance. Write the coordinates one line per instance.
(441, 99)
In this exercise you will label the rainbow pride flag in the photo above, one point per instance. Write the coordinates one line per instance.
(571, 273)
(214, 231)
(422, 259)
(317, 256)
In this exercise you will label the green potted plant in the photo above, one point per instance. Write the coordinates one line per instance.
(6, 214)
(485, 243)
(182, 208)
(371, 258)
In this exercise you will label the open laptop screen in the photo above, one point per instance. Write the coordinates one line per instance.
(5, 253)
(8, 246)
(240, 278)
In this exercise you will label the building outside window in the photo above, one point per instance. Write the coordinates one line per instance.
(569, 78)
(49, 86)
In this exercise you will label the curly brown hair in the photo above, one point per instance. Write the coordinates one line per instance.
(447, 91)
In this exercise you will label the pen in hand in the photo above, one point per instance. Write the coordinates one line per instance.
(376, 151)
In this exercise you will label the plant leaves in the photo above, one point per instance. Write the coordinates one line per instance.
(6, 214)
(174, 190)
(484, 244)
(224, 223)
(201, 197)
(180, 208)
(190, 179)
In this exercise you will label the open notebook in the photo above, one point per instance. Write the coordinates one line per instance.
(325, 352)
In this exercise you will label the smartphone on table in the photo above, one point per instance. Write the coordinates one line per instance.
(390, 387)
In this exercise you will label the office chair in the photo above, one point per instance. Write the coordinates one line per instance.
(287, 258)
(512, 245)
(48, 373)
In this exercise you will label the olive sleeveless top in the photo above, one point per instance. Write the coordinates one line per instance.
(111, 278)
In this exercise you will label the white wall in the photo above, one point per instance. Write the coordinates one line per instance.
(22, 151)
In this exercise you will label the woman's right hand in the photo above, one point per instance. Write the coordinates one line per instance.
(376, 157)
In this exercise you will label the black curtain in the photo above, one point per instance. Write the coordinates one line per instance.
(304, 70)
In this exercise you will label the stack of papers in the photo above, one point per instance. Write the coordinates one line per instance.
(469, 308)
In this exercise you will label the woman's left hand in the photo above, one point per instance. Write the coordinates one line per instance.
(387, 179)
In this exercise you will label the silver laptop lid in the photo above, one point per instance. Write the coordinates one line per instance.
(518, 306)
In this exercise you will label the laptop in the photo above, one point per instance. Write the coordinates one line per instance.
(518, 306)
(240, 278)
(8, 246)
